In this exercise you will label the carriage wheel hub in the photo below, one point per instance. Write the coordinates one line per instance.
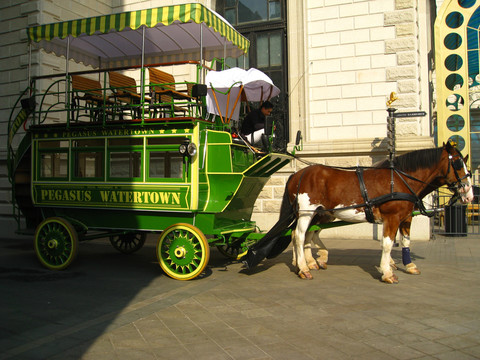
(52, 244)
(180, 252)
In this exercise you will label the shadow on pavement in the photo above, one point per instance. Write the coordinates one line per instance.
(44, 312)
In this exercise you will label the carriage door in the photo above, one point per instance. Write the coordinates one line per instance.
(264, 23)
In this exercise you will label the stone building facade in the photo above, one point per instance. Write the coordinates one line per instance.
(344, 59)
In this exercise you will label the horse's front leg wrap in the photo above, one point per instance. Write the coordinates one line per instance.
(406, 256)
(410, 267)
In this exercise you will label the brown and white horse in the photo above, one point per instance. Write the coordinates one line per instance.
(320, 194)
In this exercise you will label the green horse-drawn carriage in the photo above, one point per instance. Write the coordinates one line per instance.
(109, 152)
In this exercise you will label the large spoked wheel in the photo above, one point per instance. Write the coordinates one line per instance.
(182, 251)
(128, 243)
(56, 243)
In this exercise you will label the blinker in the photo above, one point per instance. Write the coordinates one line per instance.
(457, 164)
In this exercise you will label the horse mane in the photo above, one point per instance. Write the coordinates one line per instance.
(417, 159)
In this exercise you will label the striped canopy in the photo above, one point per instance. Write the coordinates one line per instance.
(172, 33)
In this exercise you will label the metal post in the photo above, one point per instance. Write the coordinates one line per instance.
(201, 54)
(391, 141)
(29, 74)
(142, 75)
(67, 84)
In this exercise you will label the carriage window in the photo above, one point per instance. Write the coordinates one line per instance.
(88, 158)
(164, 159)
(166, 164)
(54, 165)
(88, 165)
(53, 159)
(125, 164)
(125, 158)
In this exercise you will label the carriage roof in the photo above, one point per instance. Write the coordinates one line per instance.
(116, 40)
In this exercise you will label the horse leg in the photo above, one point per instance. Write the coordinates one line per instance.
(294, 250)
(299, 235)
(311, 262)
(387, 243)
(410, 267)
(322, 252)
(312, 238)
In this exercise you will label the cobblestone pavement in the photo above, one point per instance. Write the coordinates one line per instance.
(110, 306)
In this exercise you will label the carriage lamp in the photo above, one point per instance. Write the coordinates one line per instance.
(191, 149)
(187, 148)
(183, 149)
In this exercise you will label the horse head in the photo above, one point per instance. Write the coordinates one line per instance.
(457, 176)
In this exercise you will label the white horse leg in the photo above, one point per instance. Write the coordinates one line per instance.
(410, 267)
(311, 262)
(322, 250)
(294, 249)
(385, 268)
(299, 234)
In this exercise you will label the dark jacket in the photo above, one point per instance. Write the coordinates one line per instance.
(255, 120)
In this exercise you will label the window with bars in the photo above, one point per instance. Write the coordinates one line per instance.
(264, 23)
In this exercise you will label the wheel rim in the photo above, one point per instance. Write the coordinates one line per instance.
(56, 243)
(183, 251)
(128, 243)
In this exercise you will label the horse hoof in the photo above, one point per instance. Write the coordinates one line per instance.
(322, 265)
(390, 280)
(412, 269)
(313, 266)
(305, 275)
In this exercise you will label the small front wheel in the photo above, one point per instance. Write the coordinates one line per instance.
(128, 243)
(230, 251)
(56, 243)
(182, 251)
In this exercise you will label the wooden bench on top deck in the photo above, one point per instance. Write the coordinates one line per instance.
(125, 91)
(163, 91)
(90, 91)
(124, 87)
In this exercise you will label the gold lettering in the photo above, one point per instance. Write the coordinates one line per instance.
(137, 197)
(176, 198)
(154, 198)
(104, 195)
(165, 197)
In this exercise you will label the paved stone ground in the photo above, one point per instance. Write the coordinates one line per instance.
(110, 306)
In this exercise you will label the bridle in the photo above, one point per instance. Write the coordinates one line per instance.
(456, 162)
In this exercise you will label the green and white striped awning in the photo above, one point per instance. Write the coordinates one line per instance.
(172, 33)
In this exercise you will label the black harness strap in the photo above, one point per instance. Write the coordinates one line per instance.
(363, 190)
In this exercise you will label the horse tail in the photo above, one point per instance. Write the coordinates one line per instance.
(287, 209)
(273, 242)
